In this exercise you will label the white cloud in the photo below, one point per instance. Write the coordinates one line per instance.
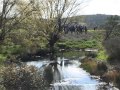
(102, 7)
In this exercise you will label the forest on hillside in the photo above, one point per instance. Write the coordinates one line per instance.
(91, 21)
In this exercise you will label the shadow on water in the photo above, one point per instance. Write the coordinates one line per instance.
(67, 75)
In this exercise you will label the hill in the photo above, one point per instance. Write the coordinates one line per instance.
(90, 20)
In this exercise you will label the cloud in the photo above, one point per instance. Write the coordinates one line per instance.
(102, 7)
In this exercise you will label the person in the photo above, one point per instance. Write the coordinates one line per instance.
(85, 28)
(95, 28)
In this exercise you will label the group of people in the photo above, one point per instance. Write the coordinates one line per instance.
(74, 28)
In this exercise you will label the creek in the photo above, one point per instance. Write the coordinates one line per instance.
(70, 76)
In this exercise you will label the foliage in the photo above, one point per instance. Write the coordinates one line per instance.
(2, 57)
(102, 55)
(94, 67)
(91, 21)
(28, 40)
(70, 44)
(113, 49)
(112, 36)
(112, 27)
(89, 65)
(45, 18)
(111, 76)
(23, 77)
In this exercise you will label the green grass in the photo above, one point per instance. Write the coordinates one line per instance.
(102, 55)
(8, 50)
(69, 44)
(2, 58)
(94, 41)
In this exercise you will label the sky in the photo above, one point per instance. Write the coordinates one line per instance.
(111, 7)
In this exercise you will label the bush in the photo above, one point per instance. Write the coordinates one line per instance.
(111, 76)
(113, 49)
(94, 67)
(89, 65)
(101, 68)
(23, 78)
(102, 55)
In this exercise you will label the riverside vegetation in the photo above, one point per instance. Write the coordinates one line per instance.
(95, 62)
(28, 34)
(91, 40)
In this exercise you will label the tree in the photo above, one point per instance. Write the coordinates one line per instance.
(112, 27)
(48, 16)
(9, 17)
(112, 38)
(7, 6)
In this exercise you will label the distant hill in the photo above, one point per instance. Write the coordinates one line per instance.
(91, 20)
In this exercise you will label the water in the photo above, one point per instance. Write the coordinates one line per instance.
(69, 76)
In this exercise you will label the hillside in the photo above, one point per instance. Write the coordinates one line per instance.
(91, 20)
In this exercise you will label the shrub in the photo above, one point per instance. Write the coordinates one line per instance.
(89, 65)
(111, 76)
(23, 78)
(113, 49)
(102, 55)
(101, 68)
(94, 67)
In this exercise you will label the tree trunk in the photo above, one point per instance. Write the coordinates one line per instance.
(52, 52)
(54, 37)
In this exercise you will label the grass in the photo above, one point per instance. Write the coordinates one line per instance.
(89, 65)
(102, 55)
(70, 44)
(2, 58)
(92, 40)
(8, 51)
(93, 67)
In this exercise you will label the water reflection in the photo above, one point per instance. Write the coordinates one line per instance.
(57, 75)
(67, 75)
(70, 77)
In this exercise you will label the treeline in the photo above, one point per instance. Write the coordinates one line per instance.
(91, 21)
